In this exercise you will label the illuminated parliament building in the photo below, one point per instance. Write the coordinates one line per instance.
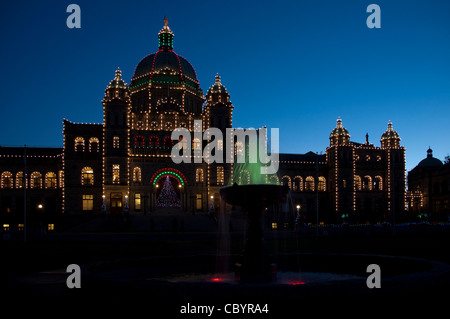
(123, 165)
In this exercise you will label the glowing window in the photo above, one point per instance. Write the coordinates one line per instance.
(36, 180)
(322, 184)
(19, 180)
(50, 180)
(309, 183)
(137, 174)
(199, 175)
(116, 174)
(137, 201)
(220, 175)
(88, 202)
(87, 176)
(6, 180)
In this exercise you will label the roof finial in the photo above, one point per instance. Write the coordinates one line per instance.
(217, 78)
(166, 21)
(118, 73)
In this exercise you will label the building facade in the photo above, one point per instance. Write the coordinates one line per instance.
(124, 164)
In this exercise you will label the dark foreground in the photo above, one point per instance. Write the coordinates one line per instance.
(33, 275)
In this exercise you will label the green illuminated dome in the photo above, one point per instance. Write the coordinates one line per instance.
(165, 66)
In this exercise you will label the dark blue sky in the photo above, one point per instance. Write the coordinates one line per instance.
(295, 65)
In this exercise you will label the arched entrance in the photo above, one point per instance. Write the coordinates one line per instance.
(168, 188)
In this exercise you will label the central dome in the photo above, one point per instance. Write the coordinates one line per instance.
(165, 66)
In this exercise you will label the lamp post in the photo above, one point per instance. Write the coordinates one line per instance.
(211, 207)
(298, 216)
(40, 208)
(103, 209)
(24, 185)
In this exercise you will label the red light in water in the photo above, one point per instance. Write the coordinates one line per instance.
(216, 279)
(295, 283)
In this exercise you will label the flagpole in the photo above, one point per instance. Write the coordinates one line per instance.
(24, 185)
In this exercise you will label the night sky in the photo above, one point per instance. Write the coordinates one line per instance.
(293, 65)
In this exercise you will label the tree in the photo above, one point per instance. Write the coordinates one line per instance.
(168, 197)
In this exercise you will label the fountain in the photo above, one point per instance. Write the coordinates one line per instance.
(254, 196)
(256, 265)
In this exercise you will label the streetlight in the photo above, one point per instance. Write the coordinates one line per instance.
(211, 208)
(298, 215)
(40, 208)
(103, 209)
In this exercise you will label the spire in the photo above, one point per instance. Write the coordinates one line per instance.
(165, 37)
(117, 82)
(429, 152)
(218, 79)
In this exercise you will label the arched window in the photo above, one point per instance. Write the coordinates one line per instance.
(87, 176)
(137, 174)
(273, 179)
(154, 141)
(199, 175)
(168, 142)
(94, 144)
(79, 144)
(19, 180)
(50, 180)
(297, 185)
(36, 180)
(309, 183)
(367, 183)
(139, 141)
(6, 180)
(357, 182)
(321, 186)
(378, 183)
(244, 177)
(286, 180)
